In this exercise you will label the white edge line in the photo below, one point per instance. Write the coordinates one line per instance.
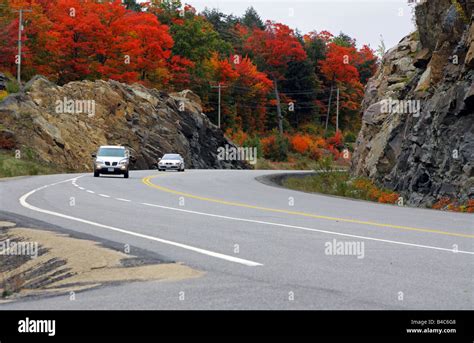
(25, 204)
(313, 230)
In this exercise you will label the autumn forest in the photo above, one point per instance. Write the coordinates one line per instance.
(170, 46)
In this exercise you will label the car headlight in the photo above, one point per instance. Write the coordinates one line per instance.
(123, 162)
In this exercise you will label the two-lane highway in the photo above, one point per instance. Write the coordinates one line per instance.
(261, 247)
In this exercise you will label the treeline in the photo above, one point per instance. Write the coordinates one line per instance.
(168, 45)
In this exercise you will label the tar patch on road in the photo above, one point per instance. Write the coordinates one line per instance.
(37, 259)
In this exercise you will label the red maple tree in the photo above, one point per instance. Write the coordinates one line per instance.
(274, 47)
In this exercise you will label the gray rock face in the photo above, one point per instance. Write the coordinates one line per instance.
(150, 122)
(425, 154)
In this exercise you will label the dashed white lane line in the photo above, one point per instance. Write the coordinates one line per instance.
(24, 203)
(304, 228)
(81, 188)
(124, 200)
(104, 195)
(310, 229)
(89, 191)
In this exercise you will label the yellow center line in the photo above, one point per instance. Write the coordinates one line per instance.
(147, 181)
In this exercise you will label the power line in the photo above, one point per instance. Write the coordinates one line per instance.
(305, 91)
(265, 106)
(297, 103)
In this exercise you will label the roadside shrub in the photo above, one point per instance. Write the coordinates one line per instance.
(325, 165)
(366, 189)
(281, 151)
(335, 145)
(238, 136)
(276, 147)
(350, 137)
(254, 142)
(334, 152)
(320, 142)
(374, 194)
(330, 181)
(3, 95)
(388, 198)
(453, 205)
(442, 203)
(7, 143)
(315, 153)
(267, 144)
(470, 206)
(336, 140)
(311, 129)
(301, 143)
(330, 133)
(12, 87)
(6, 293)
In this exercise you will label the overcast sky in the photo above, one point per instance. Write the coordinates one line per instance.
(364, 20)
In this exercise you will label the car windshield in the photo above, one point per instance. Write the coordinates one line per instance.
(111, 152)
(171, 157)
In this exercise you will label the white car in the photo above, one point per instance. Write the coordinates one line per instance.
(111, 159)
(171, 162)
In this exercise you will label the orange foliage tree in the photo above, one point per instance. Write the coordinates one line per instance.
(73, 40)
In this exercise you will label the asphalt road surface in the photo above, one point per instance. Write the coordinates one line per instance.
(261, 247)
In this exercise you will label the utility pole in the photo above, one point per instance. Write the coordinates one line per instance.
(280, 116)
(219, 86)
(20, 29)
(329, 110)
(337, 111)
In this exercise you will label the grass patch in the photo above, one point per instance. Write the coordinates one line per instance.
(27, 165)
(340, 183)
(13, 87)
(335, 183)
(299, 162)
(294, 162)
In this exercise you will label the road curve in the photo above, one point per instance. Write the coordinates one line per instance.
(261, 247)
